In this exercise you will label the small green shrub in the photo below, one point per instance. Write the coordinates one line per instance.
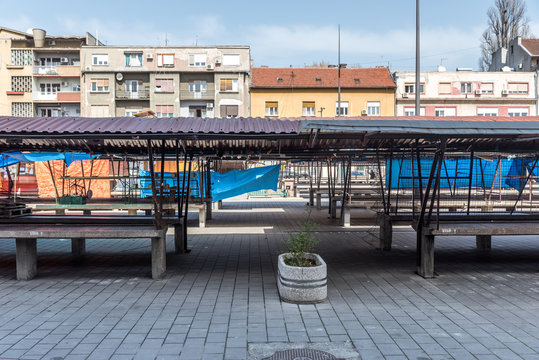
(302, 243)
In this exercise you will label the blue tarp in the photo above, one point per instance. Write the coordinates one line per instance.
(513, 173)
(223, 186)
(11, 158)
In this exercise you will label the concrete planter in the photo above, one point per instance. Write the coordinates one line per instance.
(302, 285)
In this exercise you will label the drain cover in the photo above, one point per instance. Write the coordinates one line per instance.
(301, 354)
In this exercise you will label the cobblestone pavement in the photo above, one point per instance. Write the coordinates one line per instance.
(223, 296)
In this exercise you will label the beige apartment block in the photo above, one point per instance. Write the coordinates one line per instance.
(171, 81)
(40, 74)
(468, 93)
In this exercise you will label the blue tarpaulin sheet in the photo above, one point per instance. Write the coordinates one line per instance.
(223, 186)
(511, 172)
(11, 158)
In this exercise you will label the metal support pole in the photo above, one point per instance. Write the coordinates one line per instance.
(157, 215)
(470, 183)
(521, 188)
(386, 211)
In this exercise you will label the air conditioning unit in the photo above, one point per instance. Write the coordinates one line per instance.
(88, 68)
(405, 95)
(363, 112)
(64, 60)
(209, 106)
(477, 92)
(65, 83)
(217, 61)
(209, 66)
(149, 56)
(505, 92)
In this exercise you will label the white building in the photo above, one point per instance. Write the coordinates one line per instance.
(468, 93)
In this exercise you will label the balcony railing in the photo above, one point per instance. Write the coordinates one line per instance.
(60, 70)
(197, 95)
(131, 95)
(60, 96)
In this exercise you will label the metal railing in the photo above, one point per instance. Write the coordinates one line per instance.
(197, 95)
(131, 95)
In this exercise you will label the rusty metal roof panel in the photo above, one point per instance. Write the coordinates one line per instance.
(130, 125)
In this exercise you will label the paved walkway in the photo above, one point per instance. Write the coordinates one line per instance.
(222, 297)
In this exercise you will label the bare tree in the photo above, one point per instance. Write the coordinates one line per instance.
(506, 20)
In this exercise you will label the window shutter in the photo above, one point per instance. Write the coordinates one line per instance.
(270, 104)
(159, 60)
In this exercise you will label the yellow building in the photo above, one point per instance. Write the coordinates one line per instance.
(313, 92)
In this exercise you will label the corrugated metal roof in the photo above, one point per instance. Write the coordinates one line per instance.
(130, 125)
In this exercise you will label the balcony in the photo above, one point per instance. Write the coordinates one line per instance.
(57, 70)
(197, 95)
(60, 96)
(131, 95)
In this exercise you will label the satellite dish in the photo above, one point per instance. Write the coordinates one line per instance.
(89, 194)
(119, 76)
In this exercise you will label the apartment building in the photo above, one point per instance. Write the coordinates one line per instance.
(520, 55)
(313, 91)
(40, 74)
(467, 93)
(172, 81)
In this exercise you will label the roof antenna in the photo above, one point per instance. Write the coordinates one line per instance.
(166, 39)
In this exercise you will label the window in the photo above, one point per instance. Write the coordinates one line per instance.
(229, 111)
(22, 57)
(487, 88)
(517, 88)
(198, 111)
(449, 111)
(21, 83)
(131, 112)
(373, 108)
(410, 111)
(466, 88)
(164, 85)
(197, 87)
(308, 108)
(99, 85)
(518, 112)
(344, 108)
(197, 60)
(444, 88)
(410, 88)
(22, 109)
(49, 88)
(229, 85)
(484, 111)
(272, 108)
(133, 59)
(100, 59)
(164, 110)
(231, 59)
(133, 86)
(165, 60)
(99, 111)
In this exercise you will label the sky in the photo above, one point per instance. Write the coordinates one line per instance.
(280, 33)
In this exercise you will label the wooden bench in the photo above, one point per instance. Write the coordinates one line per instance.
(26, 231)
(483, 232)
(131, 209)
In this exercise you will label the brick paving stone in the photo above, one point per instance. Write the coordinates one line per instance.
(222, 296)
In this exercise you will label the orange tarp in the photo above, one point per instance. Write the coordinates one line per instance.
(100, 188)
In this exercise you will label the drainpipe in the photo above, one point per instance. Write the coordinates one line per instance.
(537, 92)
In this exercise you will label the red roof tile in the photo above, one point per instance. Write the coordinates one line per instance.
(321, 78)
(532, 45)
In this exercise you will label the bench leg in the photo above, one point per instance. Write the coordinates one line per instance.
(148, 212)
(386, 233)
(202, 217)
(318, 201)
(179, 241)
(78, 247)
(60, 211)
(159, 257)
(345, 216)
(483, 242)
(86, 212)
(426, 267)
(311, 197)
(132, 212)
(26, 258)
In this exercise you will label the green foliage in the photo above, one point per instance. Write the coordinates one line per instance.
(302, 243)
